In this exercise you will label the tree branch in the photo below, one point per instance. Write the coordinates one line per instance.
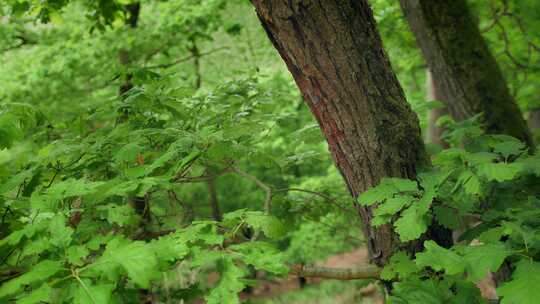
(260, 184)
(358, 273)
(326, 197)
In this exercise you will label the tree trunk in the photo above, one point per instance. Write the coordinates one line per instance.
(434, 132)
(466, 74)
(335, 54)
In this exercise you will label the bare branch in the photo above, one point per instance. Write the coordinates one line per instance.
(358, 273)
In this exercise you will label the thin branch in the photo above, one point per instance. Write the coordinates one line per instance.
(260, 184)
(202, 178)
(187, 166)
(496, 16)
(184, 59)
(358, 273)
(326, 197)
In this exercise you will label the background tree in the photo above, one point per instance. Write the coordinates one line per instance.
(465, 73)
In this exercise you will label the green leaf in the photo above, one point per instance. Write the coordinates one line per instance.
(411, 224)
(449, 158)
(439, 258)
(135, 257)
(230, 284)
(524, 286)
(39, 295)
(40, 272)
(432, 179)
(162, 160)
(271, 226)
(383, 213)
(446, 216)
(531, 164)
(121, 215)
(400, 266)
(492, 235)
(128, 153)
(73, 187)
(393, 205)
(386, 189)
(93, 294)
(15, 237)
(263, 256)
(76, 254)
(466, 292)
(16, 180)
(510, 146)
(483, 258)
(470, 183)
(500, 172)
(60, 232)
(479, 158)
(169, 248)
(419, 291)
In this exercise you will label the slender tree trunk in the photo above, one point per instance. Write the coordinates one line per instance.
(466, 74)
(434, 132)
(141, 204)
(194, 50)
(133, 10)
(214, 202)
(211, 184)
(335, 54)
(534, 124)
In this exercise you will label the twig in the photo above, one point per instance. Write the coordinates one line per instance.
(85, 288)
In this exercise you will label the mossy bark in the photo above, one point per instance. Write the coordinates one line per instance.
(335, 54)
(465, 72)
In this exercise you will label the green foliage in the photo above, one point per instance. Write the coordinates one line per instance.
(487, 188)
(523, 286)
(106, 197)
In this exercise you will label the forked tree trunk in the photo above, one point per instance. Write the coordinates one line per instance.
(335, 54)
(466, 74)
(434, 132)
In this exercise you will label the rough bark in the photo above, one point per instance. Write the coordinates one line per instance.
(434, 132)
(466, 74)
(335, 54)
